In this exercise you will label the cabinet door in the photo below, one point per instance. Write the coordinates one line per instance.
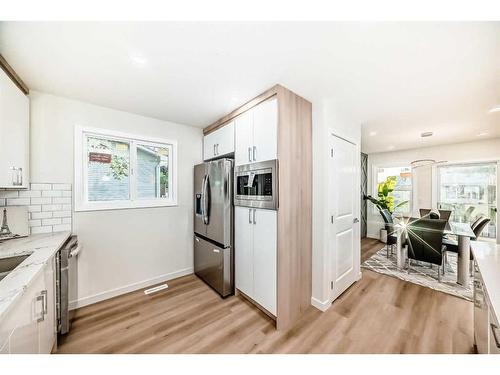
(225, 139)
(209, 146)
(14, 134)
(243, 250)
(264, 259)
(265, 131)
(47, 328)
(22, 320)
(243, 138)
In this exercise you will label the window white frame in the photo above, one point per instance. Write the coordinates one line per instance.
(81, 198)
(375, 170)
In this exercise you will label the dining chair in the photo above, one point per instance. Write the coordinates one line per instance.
(443, 214)
(392, 239)
(425, 242)
(477, 227)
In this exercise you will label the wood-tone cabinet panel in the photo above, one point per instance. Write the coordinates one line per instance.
(14, 135)
(264, 259)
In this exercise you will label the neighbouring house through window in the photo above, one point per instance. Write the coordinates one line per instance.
(115, 170)
(399, 180)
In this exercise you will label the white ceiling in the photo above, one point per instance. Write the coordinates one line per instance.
(397, 79)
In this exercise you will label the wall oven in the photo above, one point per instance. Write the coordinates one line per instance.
(256, 185)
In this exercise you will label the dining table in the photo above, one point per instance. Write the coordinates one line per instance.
(464, 234)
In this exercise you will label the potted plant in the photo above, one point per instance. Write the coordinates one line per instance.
(385, 200)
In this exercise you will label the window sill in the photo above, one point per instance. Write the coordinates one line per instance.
(107, 206)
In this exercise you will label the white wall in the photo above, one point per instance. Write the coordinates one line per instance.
(424, 180)
(123, 249)
(326, 120)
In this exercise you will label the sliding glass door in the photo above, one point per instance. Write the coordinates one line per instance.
(469, 190)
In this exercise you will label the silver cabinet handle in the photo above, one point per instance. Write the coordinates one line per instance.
(214, 150)
(249, 216)
(254, 153)
(17, 176)
(494, 331)
(250, 154)
(254, 221)
(217, 148)
(45, 302)
(41, 298)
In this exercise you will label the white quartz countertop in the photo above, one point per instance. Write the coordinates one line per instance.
(487, 255)
(40, 247)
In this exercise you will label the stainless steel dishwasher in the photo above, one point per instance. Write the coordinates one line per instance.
(69, 250)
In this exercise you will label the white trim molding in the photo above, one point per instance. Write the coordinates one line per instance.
(89, 300)
(321, 305)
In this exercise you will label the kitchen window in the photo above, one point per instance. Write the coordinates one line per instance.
(399, 180)
(115, 170)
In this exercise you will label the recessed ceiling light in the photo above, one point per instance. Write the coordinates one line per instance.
(482, 134)
(372, 134)
(495, 109)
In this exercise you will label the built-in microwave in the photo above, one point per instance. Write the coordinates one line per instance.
(256, 185)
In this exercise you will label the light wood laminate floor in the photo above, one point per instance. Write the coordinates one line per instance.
(378, 314)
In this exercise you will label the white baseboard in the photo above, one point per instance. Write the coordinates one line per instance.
(322, 306)
(89, 300)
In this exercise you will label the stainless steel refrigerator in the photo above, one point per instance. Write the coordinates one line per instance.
(213, 224)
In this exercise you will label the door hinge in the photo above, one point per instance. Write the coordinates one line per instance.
(331, 285)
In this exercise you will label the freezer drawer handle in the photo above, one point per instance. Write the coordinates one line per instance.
(494, 329)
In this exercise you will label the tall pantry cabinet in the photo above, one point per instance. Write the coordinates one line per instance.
(273, 247)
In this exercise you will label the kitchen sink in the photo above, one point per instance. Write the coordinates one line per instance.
(8, 264)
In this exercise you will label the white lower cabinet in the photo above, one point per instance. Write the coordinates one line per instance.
(30, 324)
(255, 255)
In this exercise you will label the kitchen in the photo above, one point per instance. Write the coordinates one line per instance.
(182, 213)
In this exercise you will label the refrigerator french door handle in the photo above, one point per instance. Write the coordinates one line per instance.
(206, 201)
(203, 198)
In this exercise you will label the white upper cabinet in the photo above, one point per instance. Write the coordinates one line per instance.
(219, 142)
(14, 135)
(265, 131)
(257, 133)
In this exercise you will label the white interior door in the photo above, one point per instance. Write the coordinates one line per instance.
(243, 249)
(344, 195)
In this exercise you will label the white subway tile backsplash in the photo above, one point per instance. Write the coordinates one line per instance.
(61, 227)
(61, 187)
(51, 221)
(29, 193)
(35, 223)
(42, 200)
(52, 193)
(61, 200)
(34, 208)
(9, 193)
(49, 205)
(41, 215)
(18, 201)
(41, 186)
(61, 213)
(46, 229)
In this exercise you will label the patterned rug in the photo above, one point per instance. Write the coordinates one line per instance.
(421, 273)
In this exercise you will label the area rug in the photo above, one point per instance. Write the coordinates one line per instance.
(421, 273)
